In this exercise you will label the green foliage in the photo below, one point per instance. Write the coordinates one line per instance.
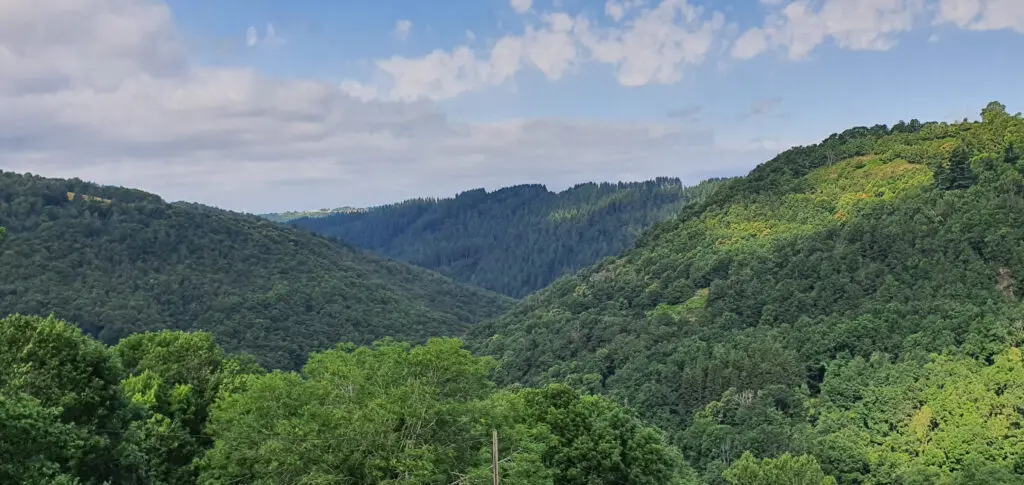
(785, 470)
(382, 414)
(725, 325)
(392, 413)
(515, 240)
(172, 380)
(35, 444)
(768, 422)
(125, 262)
(598, 441)
(73, 411)
(951, 418)
(396, 414)
(60, 394)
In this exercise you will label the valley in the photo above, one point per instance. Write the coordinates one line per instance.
(848, 313)
(514, 240)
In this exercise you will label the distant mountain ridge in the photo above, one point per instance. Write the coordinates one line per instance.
(514, 240)
(119, 261)
(288, 216)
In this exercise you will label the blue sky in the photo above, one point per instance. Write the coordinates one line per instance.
(316, 104)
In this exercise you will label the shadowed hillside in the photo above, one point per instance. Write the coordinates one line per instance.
(517, 239)
(118, 261)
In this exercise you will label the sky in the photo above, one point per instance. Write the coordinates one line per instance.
(274, 105)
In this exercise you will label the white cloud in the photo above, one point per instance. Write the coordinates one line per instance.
(252, 36)
(617, 9)
(983, 14)
(802, 25)
(655, 46)
(103, 90)
(403, 28)
(521, 6)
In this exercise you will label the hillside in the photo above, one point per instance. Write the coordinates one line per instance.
(515, 240)
(856, 300)
(119, 261)
(289, 216)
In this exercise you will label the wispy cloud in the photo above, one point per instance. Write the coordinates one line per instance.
(652, 45)
(403, 28)
(799, 26)
(270, 37)
(521, 6)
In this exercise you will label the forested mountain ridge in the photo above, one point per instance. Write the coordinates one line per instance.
(289, 216)
(855, 301)
(119, 261)
(517, 239)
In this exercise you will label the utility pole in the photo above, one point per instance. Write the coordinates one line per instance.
(494, 456)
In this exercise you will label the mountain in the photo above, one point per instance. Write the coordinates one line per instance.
(119, 261)
(515, 240)
(856, 300)
(289, 216)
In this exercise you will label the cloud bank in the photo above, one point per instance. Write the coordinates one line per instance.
(106, 90)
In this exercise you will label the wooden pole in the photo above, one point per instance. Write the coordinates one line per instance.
(494, 456)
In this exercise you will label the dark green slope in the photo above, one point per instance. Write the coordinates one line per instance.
(801, 309)
(123, 261)
(514, 240)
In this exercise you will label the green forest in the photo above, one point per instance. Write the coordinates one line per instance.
(173, 407)
(514, 240)
(854, 301)
(848, 313)
(119, 261)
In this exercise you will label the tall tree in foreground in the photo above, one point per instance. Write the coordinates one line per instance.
(37, 447)
(61, 396)
(397, 414)
(172, 379)
(74, 411)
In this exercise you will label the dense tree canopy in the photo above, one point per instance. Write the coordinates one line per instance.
(119, 261)
(515, 240)
(171, 408)
(397, 414)
(60, 404)
(730, 325)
